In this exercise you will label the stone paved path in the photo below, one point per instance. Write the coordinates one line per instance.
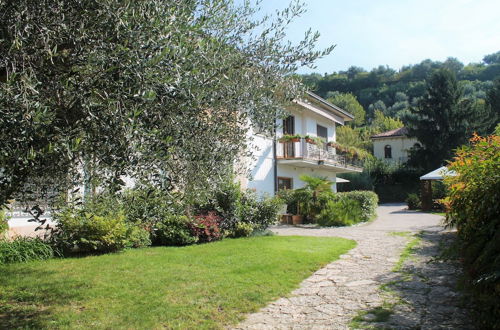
(334, 295)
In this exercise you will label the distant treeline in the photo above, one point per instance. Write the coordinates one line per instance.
(393, 92)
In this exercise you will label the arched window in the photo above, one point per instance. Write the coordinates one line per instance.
(388, 151)
(417, 146)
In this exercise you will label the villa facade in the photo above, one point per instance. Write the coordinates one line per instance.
(277, 164)
(394, 146)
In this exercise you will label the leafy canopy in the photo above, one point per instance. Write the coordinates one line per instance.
(158, 91)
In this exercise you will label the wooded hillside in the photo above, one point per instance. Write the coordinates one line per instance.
(394, 91)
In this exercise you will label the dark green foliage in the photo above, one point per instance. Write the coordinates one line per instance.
(390, 182)
(439, 190)
(441, 115)
(24, 249)
(259, 212)
(473, 208)
(146, 206)
(341, 211)
(413, 202)
(132, 88)
(235, 205)
(173, 230)
(357, 181)
(319, 204)
(368, 202)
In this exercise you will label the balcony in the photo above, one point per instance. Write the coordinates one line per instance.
(304, 154)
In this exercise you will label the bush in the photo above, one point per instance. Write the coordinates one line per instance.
(206, 227)
(242, 230)
(342, 212)
(473, 208)
(173, 230)
(413, 202)
(234, 205)
(138, 237)
(4, 225)
(83, 231)
(259, 212)
(23, 249)
(438, 190)
(368, 201)
(99, 225)
(147, 206)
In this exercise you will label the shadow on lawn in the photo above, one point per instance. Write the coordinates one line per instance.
(30, 303)
(425, 291)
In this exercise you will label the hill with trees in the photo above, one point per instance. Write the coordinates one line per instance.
(394, 91)
(448, 99)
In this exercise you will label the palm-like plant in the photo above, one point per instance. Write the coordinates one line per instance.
(308, 196)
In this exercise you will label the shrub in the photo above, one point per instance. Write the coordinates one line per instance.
(259, 212)
(206, 227)
(174, 230)
(138, 237)
(438, 190)
(4, 225)
(413, 202)
(242, 230)
(368, 201)
(234, 205)
(147, 206)
(473, 208)
(341, 212)
(97, 226)
(23, 249)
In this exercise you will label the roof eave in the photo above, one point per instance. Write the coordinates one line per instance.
(344, 114)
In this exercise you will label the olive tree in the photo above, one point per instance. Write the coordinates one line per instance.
(160, 91)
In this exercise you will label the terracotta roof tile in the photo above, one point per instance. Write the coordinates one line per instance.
(403, 131)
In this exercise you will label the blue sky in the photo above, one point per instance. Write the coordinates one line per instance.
(369, 33)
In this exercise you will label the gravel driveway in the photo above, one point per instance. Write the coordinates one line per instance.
(364, 284)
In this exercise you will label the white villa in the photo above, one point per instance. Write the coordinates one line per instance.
(278, 165)
(394, 146)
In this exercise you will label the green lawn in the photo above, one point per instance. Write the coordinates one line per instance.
(199, 286)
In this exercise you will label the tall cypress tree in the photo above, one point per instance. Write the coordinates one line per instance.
(442, 120)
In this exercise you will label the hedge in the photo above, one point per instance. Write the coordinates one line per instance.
(368, 201)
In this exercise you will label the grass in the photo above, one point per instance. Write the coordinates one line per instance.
(205, 286)
(407, 252)
(378, 314)
(384, 312)
(400, 233)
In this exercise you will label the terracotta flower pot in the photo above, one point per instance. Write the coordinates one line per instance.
(311, 141)
(297, 219)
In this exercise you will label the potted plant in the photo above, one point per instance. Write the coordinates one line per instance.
(292, 216)
(309, 139)
(289, 138)
(315, 140)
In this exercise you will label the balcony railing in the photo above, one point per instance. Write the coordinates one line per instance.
(309, 151)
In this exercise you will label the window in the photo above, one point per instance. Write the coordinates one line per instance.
(284, 183)
(322, 132)
(388, 151)
(417, 146)
(289, 125)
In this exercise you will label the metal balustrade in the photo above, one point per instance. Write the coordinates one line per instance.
(308, 151)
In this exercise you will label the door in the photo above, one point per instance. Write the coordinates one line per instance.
(289, 129)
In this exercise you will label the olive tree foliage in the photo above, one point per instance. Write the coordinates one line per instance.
(159, 91)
